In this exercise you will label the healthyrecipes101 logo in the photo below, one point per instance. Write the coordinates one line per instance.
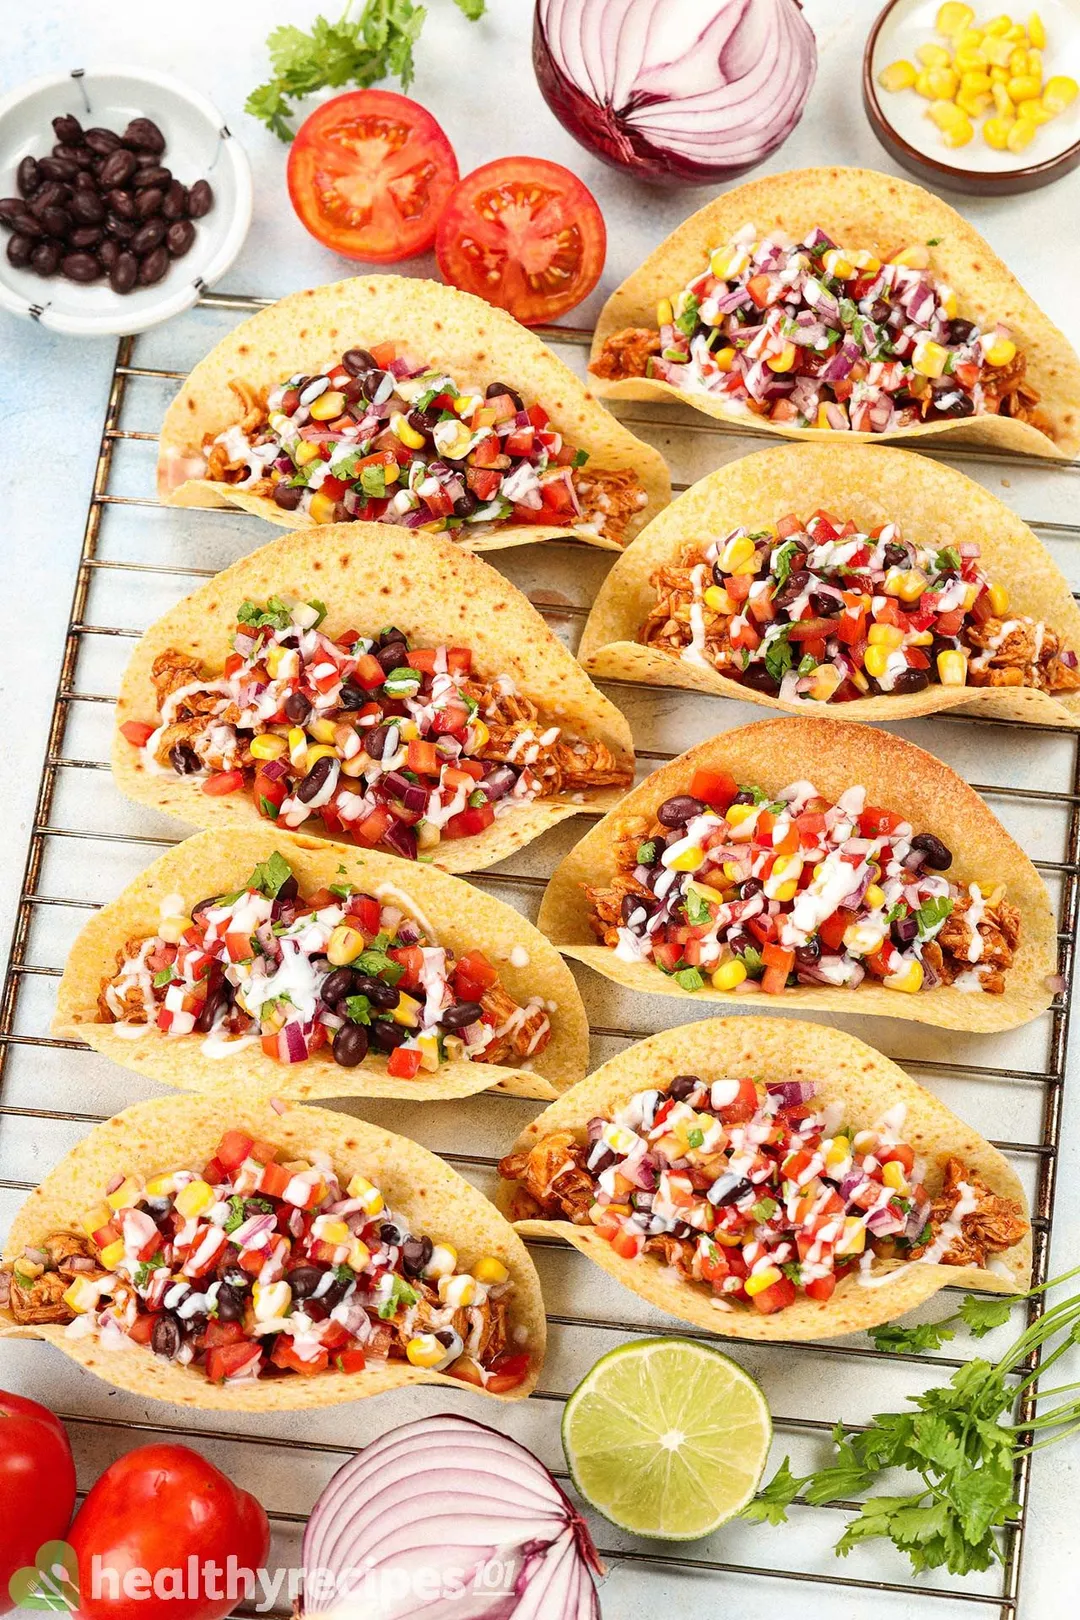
(52, 1584)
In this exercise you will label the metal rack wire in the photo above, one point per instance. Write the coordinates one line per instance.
(48, 833)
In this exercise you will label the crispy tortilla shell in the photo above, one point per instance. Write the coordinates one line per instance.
(457, 914)
(370, 576)
(446, 329)
(863, 210)
(183, 1132)
(932, 503)
(845, 1071)
(834, 756)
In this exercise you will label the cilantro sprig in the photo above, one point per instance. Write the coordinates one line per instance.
(377, 44)
(958, 1439)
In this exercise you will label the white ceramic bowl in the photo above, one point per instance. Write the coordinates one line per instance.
(199, 145)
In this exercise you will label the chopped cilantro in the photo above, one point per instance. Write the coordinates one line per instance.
(695, 1138)
(342, 890)
(580, 458)
(764, 1209)
(373, 481)
(756, 793)
(782, 559)
(239, 1211)
(477, 798)
(400, 1297)
(378, 965)
(750, 957)
(778, 656)
(688, 320)
(931, 914)
(275, 614)
(145, 1267)
(807, 664)
(271, 875)
(646, 852)
(344, 1274)
(358, 1008)
(166, 976)
(270, 811)
(698, 911)
(898, 912)
(792, 1271)
(689, 978)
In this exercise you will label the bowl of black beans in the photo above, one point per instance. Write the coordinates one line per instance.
(123, 196)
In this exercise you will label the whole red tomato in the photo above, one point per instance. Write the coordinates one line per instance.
(152, 1512)
(37, 1485)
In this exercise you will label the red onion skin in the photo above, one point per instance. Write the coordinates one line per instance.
(602, 130)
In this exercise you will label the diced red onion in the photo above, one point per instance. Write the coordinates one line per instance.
(499, 781)
(842, 361)
(401, 839)
(296, 1050)
(883, 1222)
(689, 95)
(854, 900)
(728, 302)
(792, 1093)
(408, 932)
(448, 1499)
(415, 798)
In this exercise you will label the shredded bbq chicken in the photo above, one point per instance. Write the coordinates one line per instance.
(996, 1224)
(626, 353)
(553, 1178)
(609, 499)
(35, 1292)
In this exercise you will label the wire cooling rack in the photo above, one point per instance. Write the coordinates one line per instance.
(86, 842)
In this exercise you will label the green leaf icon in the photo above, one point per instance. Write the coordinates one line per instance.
(52, 1585)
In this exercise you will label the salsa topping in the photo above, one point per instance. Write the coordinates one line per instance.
(823, 612)
(381, 438)
(358, 972)
(388, 744)
(750, 1191)
(747, 890)
(822, 336)
(253, 1268)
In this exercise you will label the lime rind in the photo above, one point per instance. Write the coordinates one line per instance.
(667, 1438)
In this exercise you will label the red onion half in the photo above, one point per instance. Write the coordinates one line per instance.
(445, 1519)
(686, 90)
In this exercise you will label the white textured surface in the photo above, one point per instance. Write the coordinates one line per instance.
(52, 397)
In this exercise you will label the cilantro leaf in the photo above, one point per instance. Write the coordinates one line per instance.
(358, 1008)
(932, 914)
(400, 1297)
(765, 1209)
(270, 876)
(981, 1316)
(781, 561)
(166, 976)
(770, 1505)
(687, 321)
(906, 1341)
(778, 656)
(698, 910)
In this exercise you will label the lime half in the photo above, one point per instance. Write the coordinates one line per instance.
(667, 1438)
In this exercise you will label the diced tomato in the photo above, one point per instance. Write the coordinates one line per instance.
(422, 758)
(507, 1372)
(488, 454)
(760, 289)
(833, 929)
(811, 826)
(763, 928)
(874, 822)
(716, 788)
(776, 1298)
(233, 1149)
(411, 960)
(520, 442)
(273, 1180)
(784, 410)
(348, 1361)
(483, 481)
(269, 795)
(438, 503)
(776, 956)
(627, 1244)
(238, 947)
(900, 1153)
(789, 843)
(667, 955)
(270, 1045)
(137, 732)
(743, 1106)
(774, 981)
(285, 1356)
(477, 969)
(795, 1163)
(450, 717)
(741, 633)
(810, 629)
(369, 673)
(217, 1333)
(365, 912)
(950, 624)
(214, 1172)
(374, 825)
(223, 782)
(141, 1330)
(787, 526)
(404, 1063)
(469, 822)
(823, 526)
(821, 1287)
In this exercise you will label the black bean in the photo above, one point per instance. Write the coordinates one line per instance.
(54, 168)
(179, 237)
(53, 194)
(825, 607)
(144, 135)
(758, 679)
(201, 200)
(108, 252)
(27, 225)
(350, 696)
(415, 1255)
(337, 985)
(121, 202)
(80, 266)
(28, 176)
(184, 760)
(806, 955)
(122, 229)
(67, 128)
(12, 209)
(148, 202)
(87, 207)
(395, 656)
(156, 176)
(461, 1014)
(56, 221)
(148, 236)
(85, 181)
(19, 249)
(216, 1004)
(371, 381)
(632, 903)
(297, 708)
(680, 809)
(45, 258)
(911, 680)
(422, 421)
(682, 1085)
(938, 855)
(728, 1189)
(166, 1337)
(749, 887)
(315, 779)
(386, 1035)
(466, 504)
(496, 388)
(350, 1045)
(792, 588)
(962, 405)
(123, 268)
(375, 740)
(86, 236)
(102, 141)
(356, 361)
(117, 169)
(153, 267)
(230, 1302)
(381, 995)
(959, 331)
(79, 155)
(303, 1280)
(175, 204)
(288, 499)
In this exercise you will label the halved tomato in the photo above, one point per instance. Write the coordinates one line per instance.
(369, 175)
(524, 234)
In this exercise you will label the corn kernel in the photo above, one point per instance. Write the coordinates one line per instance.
(952, 667)
(946, 114)
(875, 896)
(1003, 103)
(916, 257)
(332, 1232)
(1036, 29)
(1059, 93)
(932, 56)
(943, 82)
(270, 1301)
(305, 452)
(864, 938)
(1034, 113)
(837, 1152)
(929, 358)
(1016, 35)
(323, 508)
(405, 432)
(865, 262)
(318, 751)
(736, 814)
(922, 85)
(825, 680)
(998, 25)
(999, 599)
(83, 1294)
(173, 929)
(96, 1218)
(428, 1047)
(953, 18)
(892, 1174)
(323, 731)
(969, 39)
(1021, 134)
(1018, 60)
(425, 1350)
(359, 1255)
(718, 600)
(194, 1199)
(665, 314)
(852, 1239)
(490, 1271)
(126, 1196)
(268, 745)
(371, 1199)
(897, 76)
(975, 82)
(407, 1011)
(997, 52)
(886, 635)
(784, 360)
(960, 130)
(687, 860)
(724, 359)
(327, 406)
(836, 263)
(112, 1254)
(298, 745)
(739, 549)
(729, 975)
(729, 262)
(875, 661)
(999, 75)
(910, 980)
(1024, 88)
(758, 1281)
(458, 1291)
(1001, 352)
(443, 1261)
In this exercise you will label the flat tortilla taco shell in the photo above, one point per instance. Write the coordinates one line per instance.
(834, 756)
(880, 214)
(845, 1071)
(455, 913)
(183, 1132)
(932, 503)
(446, 329)
(370, 576)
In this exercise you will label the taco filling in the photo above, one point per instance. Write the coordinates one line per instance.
(338, 968)
(250, 1268)
(820, 336)
(738, 888)
(750, 1191)
(818, 611)
(386, 743)
(383, 438)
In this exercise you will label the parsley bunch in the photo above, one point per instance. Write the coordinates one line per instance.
(958, 1439)
(378, 44)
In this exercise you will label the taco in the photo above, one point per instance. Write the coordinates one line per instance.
(843, 574)
(372, 686)
(390, 400)
(841, 301)
(319, 971)
(769, 1179)
(214, 1252)
(831, 865)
